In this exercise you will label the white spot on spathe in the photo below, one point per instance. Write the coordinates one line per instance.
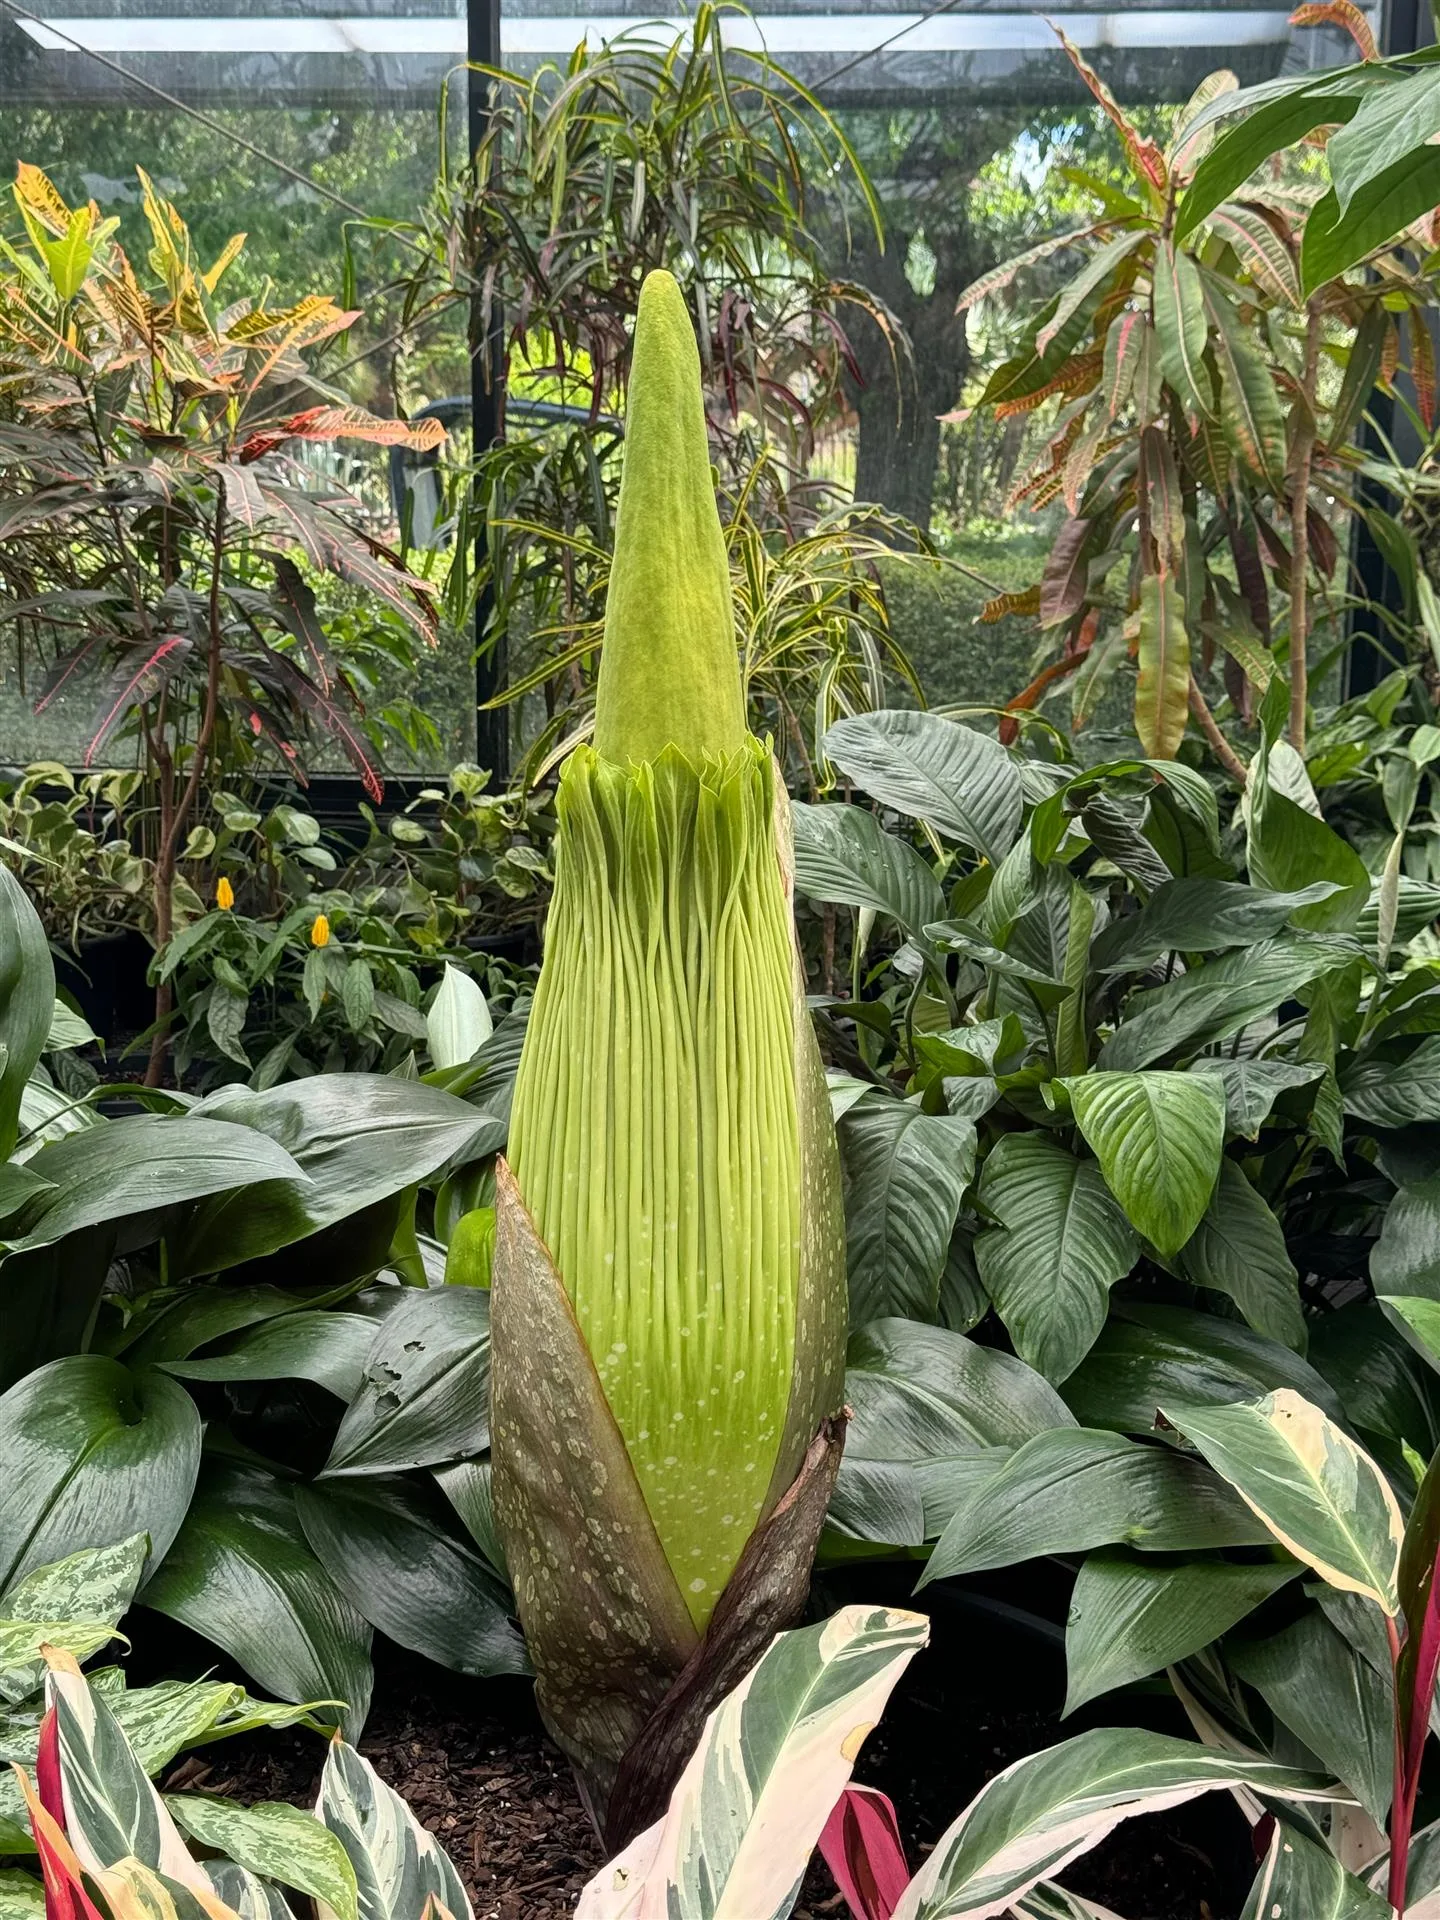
(697, 1586)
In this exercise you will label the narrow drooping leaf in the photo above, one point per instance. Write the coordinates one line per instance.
(1163, 652)
(1130, 1617)
(27, 999)
(1181, 327)
(1249, 403)
(1322, 1497)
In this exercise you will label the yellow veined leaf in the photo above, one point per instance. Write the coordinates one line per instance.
(1001, 276)
(1160, 484)
(1321, 1495)
(1181, 327)
(1215, 84)
(1005, 604)
(1260, 250)
(1162, 692)
(227, 256)
(1146, 159)
(38, 198)
(1249, 404)
(1339, 13)
(1124, 345)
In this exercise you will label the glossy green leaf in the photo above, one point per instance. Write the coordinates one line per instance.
(1379, 212)
(905, 1172)
(94, 1454)
(771, 1764)
(932, 1416)
(1396, 1093)
(1275, 125)
(466, 1485)
(1158, 1138)
(1198, 915)
(1406, 1257)
(1074, 1488)
(424, 1395)
(1148, 1354)
(142, 1165)
(1250, 410)
(329, 1348)
(177, 1322)
(1288, 848)
(387, 1547)
(1384, 1385)
(1131, 1617)
(398, 1866)
(358, 1139)
(962, 782)
(243, 1574)
(281, 1842)
(844, 855)
(1322, 1497)
(1059, 1244)
(1326, 1692)
(1048, 1809)
(1239, 1249)
(27, 1000)
(1217, 999)
(1253, 1086)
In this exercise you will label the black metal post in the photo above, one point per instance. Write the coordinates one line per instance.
(1372, 652)
(492, 725)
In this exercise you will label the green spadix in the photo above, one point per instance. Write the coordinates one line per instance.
(673, 1172)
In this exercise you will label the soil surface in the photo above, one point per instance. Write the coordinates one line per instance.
(473, 1761)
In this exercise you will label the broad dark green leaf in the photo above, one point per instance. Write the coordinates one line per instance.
(1159, 1138)
(1385, 1387)
(92, 1453)
(905, 1173)
(242, 1574)
(357, 1138)
(1395, 1093)
(1288, 848)
(329, 1348)
(144, 1164)
(1378, 213)
(1129, 1616)
(1239, 1249)
(1075, 1488)
(962, 782)
(1277, 124)
(1217, 999)
(933, 1415)
(1253, 1086)
(385, 1544)
(1300, 1880)
(1392, 122)
(1325, 1691)
(1198, 916)
(1406, 1257)
(1146, 1355)
(843, 854)
(1060, 1243)
(27, 1000)
(177, 1322)
(424, 1395)
(466, 1485)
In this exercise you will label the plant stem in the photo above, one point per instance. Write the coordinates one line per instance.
(1210, 727)
(1300, 534)
(1402, 1804)
(173, 828)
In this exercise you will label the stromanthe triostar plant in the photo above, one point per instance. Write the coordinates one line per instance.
(669, 1287)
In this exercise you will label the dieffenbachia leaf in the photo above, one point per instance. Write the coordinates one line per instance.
(281, 1842)
(22, 1897)
(748, 1809)
(1321, 1495)
(1048, 1809)
(397, 1865)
